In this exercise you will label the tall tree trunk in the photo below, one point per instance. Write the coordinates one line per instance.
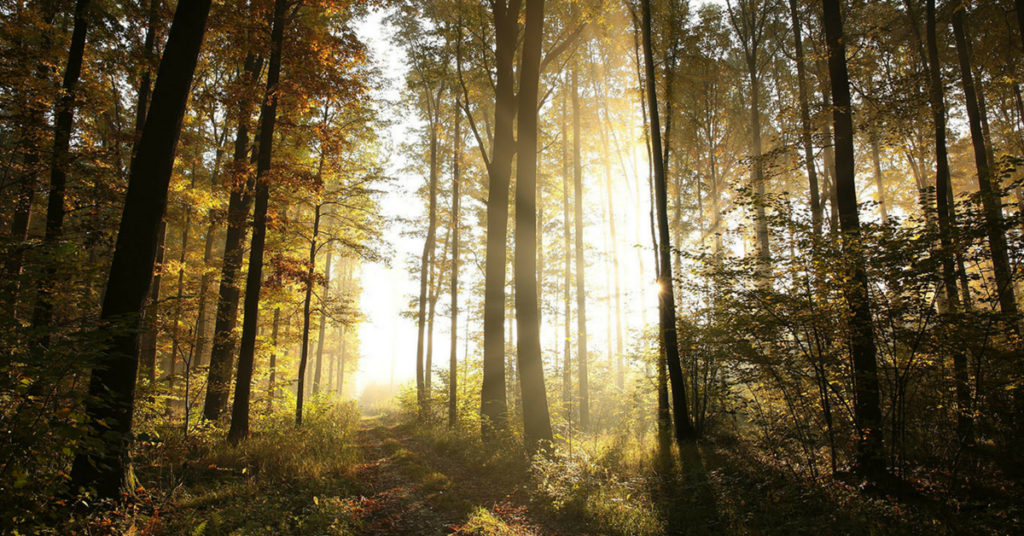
(453, 376)
(428, 253)
(202, 317)
(254, 279)
(493, 404)
(148, 339)
(272, 379)
(990, 195)
(175, 340)
(226, 316)
(323, 325)
(805, 121)
(101, 464)
(582, 359)
(666, 300)
(64, 121)
(867, 409)
(536, 420)
(567, 263)
(946, 212)
(435, 289)
(306, 302)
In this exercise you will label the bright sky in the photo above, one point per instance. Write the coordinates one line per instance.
(388, 340)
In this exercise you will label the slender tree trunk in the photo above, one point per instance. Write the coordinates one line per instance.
(757, 178)
(945, 212)
(101, 464)
(666, 300)
(867, 408)
(323, 325)
(990, 192)
(42, 315)
(272, 379)
(453, 376)
(254, 279)
(493, 404)
(428, 253)
(805, 122)
(175, 340)
(582, 359)
(435, 289)
(306, 302)
(148, 339)
(226, 316)
(567, 270)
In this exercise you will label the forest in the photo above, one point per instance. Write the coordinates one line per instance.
(511, 267)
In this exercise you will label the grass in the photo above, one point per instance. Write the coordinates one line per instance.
(344, 475)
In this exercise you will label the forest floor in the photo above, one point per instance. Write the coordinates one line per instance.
(346, 474)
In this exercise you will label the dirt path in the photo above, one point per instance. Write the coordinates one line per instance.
(408, 488)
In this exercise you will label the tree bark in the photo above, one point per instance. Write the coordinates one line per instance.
(453, 376)
(867, 409)
(64, 113)
(254, 279)
(226, 315)
(102, 464)
(493, 404)
(323, 325)
(990, 195)
(428, 252)
(300, 392)
(805, 122)
(684, 431)
(536, 420)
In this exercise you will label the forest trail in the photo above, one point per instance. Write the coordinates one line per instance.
(409, 487)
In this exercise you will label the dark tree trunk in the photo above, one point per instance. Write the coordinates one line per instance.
(300, 391)
(323, 324)
(102, 464)
(60, 158)
(493, 404)
(666, 300)
(536, 420)
(945, 210)
(254, 279)
(990, 195)
(805, 122)
(272, 379)
(226, 315)
(867, 409)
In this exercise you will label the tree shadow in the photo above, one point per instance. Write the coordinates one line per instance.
(688, 503)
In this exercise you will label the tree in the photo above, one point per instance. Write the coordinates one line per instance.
(684, 431)
(536, 421)
(64, 113)
(254, 279)
(226, 316)
(102, 465)
(867, 410)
